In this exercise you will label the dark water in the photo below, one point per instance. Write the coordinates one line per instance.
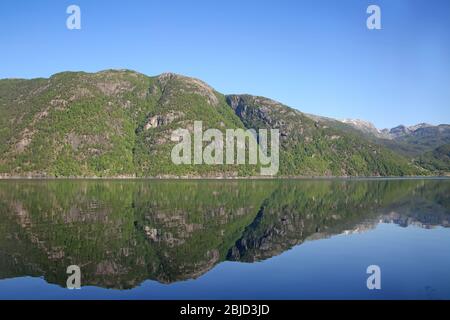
(230, 239)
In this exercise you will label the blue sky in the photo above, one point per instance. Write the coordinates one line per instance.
(315, 55)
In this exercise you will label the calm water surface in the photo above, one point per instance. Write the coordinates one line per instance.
(225, 239)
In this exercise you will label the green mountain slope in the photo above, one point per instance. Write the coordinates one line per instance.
(73, 124)
(311, 147)
(437, 160)
(118, 123)
(112, 123)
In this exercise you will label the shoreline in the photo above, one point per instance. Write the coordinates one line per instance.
(251, 178)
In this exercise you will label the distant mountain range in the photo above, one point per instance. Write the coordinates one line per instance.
(118, 123)
(426, 135)
(426, 143)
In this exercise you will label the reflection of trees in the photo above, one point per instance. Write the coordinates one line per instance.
(123, 233)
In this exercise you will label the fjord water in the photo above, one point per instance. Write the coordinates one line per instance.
(289, 239)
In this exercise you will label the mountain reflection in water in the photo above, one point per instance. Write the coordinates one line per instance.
(122, 233)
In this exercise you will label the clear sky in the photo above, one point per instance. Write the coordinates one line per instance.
(315, 55)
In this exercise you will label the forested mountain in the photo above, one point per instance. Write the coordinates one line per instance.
(118, 123)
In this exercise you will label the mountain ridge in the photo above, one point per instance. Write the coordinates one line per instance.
(117, 123)
(420, 142)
